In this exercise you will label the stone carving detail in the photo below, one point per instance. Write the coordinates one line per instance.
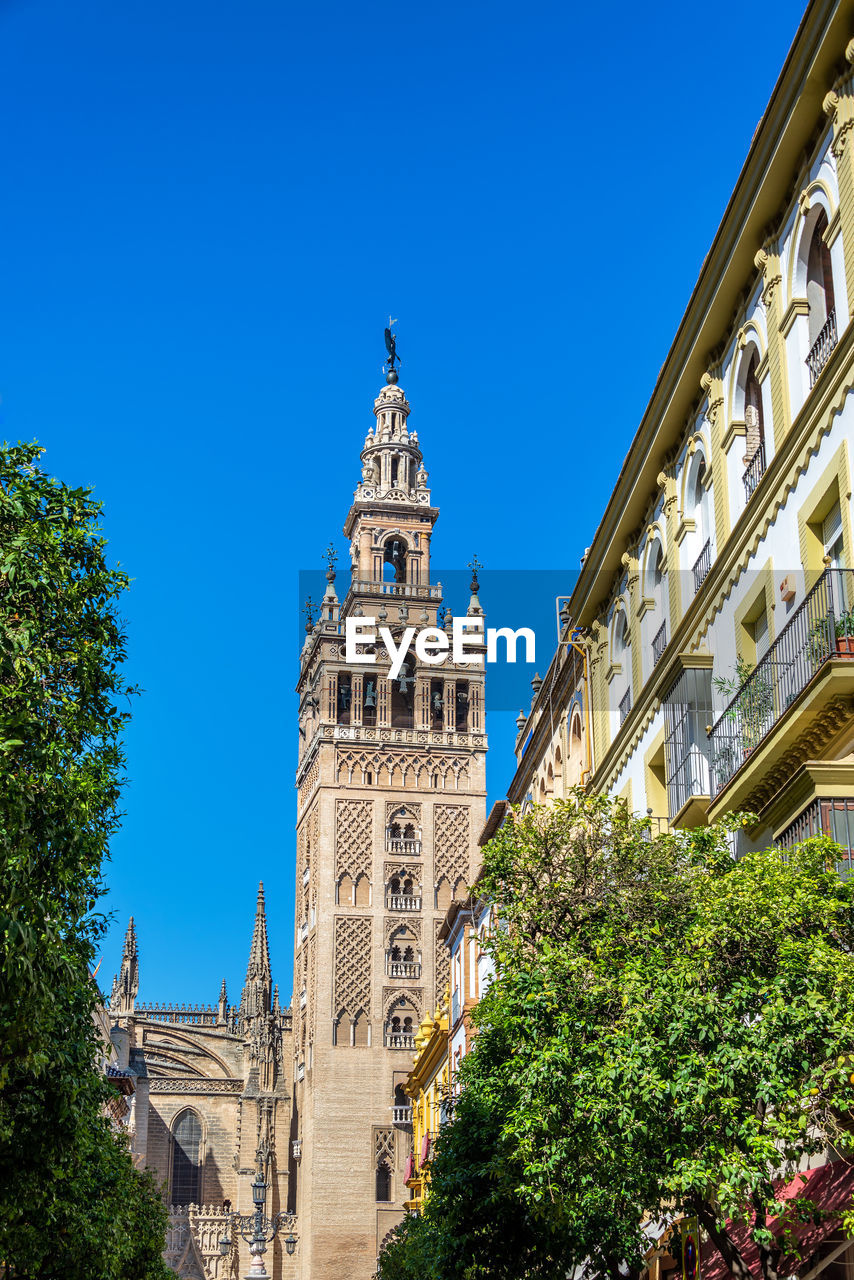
(390, 769)
(384, 1146)
(411, 922)
(192, 1242)
(441, 965)
(451, 841)
(402, 998)
(309, 782)
(353, 838)
(393, 810)
(180, 1084)
(410, 869)
(352, 965)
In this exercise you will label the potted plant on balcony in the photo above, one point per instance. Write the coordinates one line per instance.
(751, 709)
(845, 632)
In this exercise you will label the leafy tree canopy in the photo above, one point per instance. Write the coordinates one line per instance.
(71, 1203)
(668, 1029)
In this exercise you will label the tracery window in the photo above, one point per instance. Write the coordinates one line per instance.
(186, 1179)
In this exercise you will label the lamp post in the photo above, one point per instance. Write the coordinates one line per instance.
(257, 1229)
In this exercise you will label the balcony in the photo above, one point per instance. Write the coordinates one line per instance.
(659, 643)
(822, 347)
(403, 969)
(832, 817)
(412, 848)
(402, 902)
(399, 1040)
(754, 471)
(404, 590)
(702, 565)
(820, 630)
(401, 1115)
(625, 706)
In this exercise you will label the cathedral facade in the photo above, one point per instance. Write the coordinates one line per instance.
(211, 1107)
(391, 795)
(390, 803)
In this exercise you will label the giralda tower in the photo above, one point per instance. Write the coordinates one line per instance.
(391, 800)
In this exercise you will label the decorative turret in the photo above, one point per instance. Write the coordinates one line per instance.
(126, 983)
(392, 462)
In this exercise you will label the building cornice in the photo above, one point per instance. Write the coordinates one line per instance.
(763, 187)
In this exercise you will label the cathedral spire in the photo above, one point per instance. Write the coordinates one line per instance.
(126, 982)
(256, 992)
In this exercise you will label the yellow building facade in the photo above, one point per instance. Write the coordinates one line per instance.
(714, 605)
(429, 1087)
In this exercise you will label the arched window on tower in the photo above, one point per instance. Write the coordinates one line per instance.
(186, 1174)
(394, 560)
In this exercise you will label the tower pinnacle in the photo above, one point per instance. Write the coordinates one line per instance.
(257, 990)
(126, 982)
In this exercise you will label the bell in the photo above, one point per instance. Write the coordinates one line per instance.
(344, 696)
(437, 704)
(370, 694)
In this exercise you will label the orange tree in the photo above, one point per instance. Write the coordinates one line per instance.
(71, 1202)
(667, 1026)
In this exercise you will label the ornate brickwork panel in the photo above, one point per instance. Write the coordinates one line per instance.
(352, 965)
(383, 1145)
(309, 782)
(441, 964)
(451, 841)
(353, 838)
(396, 769)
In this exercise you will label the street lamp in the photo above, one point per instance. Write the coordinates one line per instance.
(257, 1229)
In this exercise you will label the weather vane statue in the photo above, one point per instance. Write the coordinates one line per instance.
(391, 348)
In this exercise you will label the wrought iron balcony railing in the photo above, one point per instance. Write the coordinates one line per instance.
(625, 705)
(659, 643)
(831, 816)
(822, 347)
(817, 631)
(754, 471)
(702, 565)
(402, 902)
(403, 969)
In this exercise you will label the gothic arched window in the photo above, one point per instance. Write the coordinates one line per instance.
(186, 1180)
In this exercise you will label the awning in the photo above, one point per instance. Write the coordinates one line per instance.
(830, 1186)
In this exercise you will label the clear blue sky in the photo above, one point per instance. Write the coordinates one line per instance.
(208, 213)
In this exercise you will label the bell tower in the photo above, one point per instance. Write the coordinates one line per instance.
(391, 800)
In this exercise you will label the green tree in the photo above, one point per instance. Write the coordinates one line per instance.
(667, 1028)
(71, 1203)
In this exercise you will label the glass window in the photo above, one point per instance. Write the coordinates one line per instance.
(186, 1159)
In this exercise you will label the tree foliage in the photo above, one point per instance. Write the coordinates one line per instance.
(71, 1202)
(668, 1027)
